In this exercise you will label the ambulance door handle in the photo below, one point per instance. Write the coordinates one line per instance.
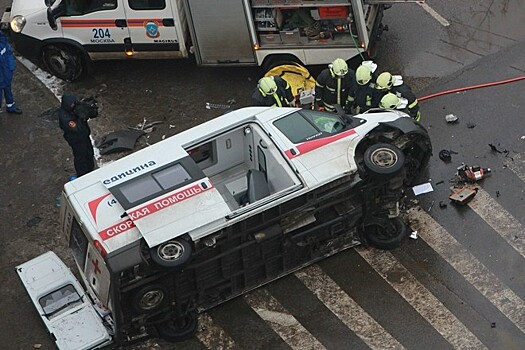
(121, 23)
(168, 22)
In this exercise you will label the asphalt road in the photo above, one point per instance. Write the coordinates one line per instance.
(460, 281)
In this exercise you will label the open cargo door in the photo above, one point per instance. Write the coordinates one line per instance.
(62, 303)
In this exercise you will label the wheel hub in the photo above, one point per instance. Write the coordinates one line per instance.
(151, 299)
(384, 157)
(171, 251)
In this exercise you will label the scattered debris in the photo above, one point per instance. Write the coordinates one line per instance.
(471, 125)
(146, 127)
(118, 141)
(33, 221)
(431, 205)
(523, 137)
(423, 188)
(413, 235)
(210, 105)
(37, 346)
(495, 149)
(472, 173)
(451, 118)
(493, 325)
(439, 182)
(446, 155)
(497, 194)
(462, 195)
(442, 205)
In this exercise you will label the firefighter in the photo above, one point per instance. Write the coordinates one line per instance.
(363, 92)
(386, 83)
(73, 116)
(333, 86)
(273, 91)
(392, 101)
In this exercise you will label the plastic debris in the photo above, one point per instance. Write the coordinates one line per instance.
(445, 156)
(471, 125)
(442, 205)
(413, 235)
(423, 188)
(210, 105)
(523, 137)
(451, 118)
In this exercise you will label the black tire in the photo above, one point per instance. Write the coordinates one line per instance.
(383, 160)
(173, 253)
(63, 62)
(385, 234)
(150, 298)
(174, 331)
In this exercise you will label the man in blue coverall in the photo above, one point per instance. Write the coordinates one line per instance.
(7, 68)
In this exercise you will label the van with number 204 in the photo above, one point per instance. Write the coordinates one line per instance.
(66, 35)
(215, 211)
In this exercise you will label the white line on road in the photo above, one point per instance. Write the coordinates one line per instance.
(499, 219)
(421, 299)
(55, 85)
(434, 14)
(346, 309)
(477, 274)
(212, 336)
(517, 165)
(281, 321)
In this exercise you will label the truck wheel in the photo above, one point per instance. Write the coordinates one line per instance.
(63, 62)
(173, 253)
(383, 160)
(176, 331)
(150, 298)
(385, 234)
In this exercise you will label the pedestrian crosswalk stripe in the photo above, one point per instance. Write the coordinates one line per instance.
(213, 336)
(477, 274)
(500, 220)
(346, 309)
(281, 321)
(517, 165)
(421, 299)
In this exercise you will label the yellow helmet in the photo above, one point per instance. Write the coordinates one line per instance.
(267, 86)
(390, 101)
(385, 81)
(339, 67)
(363, 75)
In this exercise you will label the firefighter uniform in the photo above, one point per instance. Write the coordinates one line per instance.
(73, 120)
(273, 91)
(386, 83)
(334, 85)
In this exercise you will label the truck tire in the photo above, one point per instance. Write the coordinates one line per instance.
(383, 160)
(63, 62)
(173, 253)
(150, 297)
(385, 234)
(174, 331)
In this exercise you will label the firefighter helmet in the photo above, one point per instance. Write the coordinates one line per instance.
(390, 101)
(363, 75)
(267, 86)
(339, 67)
(385, 81)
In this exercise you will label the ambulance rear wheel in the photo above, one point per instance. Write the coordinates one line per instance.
(178, 330)
(383, 160)
(385, 234)
(63, 62)
(173, 253)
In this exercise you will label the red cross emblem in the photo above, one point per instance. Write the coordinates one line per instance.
(95, 266)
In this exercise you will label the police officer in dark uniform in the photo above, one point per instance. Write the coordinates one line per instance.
(273, 91)
(334, 86)
(73, 117)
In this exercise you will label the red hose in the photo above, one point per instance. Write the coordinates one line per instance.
(446, 92)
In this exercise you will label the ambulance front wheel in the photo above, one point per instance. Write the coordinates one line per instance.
(173, 253)
(178, 330)
(63, 61)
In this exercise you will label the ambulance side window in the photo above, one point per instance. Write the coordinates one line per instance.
(147, 4)
(81, 7)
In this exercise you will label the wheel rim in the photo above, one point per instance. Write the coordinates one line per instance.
(151, 299)
(384, 158)
(58, 64)
(171, 251)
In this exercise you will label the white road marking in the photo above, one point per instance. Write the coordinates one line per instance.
(281, 321)
(500, 220)
(346, 309)
(477, 274)
(212, 336)
(421, 299)
(55, 85)
(517, 165)
(434, 14)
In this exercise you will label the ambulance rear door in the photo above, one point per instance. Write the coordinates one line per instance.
(152, 27)
(98, 25)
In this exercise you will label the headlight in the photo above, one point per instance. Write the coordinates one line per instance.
(18, 23)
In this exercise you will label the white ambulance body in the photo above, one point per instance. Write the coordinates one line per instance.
(220, 209)
(68, 34)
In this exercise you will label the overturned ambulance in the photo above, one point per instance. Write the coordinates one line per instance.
(220, 209)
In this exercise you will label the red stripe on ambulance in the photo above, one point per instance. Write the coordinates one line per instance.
(309, 146)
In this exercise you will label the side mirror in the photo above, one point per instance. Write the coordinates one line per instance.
(51, 19)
